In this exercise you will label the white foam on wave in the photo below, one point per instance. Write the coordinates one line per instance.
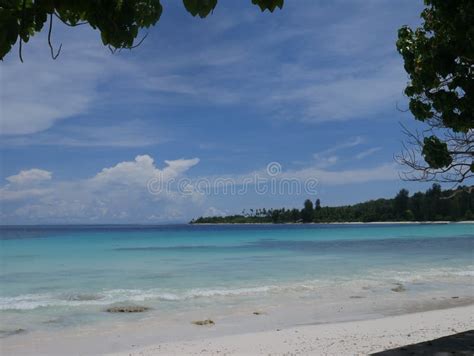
(33, 301)
(465, 273)
(423, 274)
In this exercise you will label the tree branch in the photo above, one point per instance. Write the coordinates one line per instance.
(54, 56)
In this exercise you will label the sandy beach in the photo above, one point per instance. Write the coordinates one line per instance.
(348, 338)
(228, 336)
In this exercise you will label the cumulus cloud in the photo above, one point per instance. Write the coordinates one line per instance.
(312, 71)
(8, 194)
(142, 169)
(115, 194)
(120, 193)
(30, 176)
(27, 184)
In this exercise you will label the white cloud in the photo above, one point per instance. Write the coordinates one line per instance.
(27, 184)
(304, 66)
(8, 194)
(193, 89)
(311, 172)
(326, 161)
(383, 172)
(142, 169)
(120, 193)
(328, 157)
(42, 91)
(355, 97)
(48, 95)
(352, 142)
(117, 193)
(328, 76)
(368, 152)
(30, 176)
(134, 133)
(366, 92)
(213, 211)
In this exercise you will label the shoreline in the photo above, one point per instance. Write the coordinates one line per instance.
(271, 332)
(340, 338)
(113, 225)
(347, 223)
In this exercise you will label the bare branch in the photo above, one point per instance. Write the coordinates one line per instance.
(460, 146)
(54, 56)
(400, 109)
(20, 50)
(20, 47)
(140, 42)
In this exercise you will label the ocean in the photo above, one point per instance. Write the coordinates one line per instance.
(66, 276)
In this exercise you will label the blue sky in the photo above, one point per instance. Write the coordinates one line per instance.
(314, 87)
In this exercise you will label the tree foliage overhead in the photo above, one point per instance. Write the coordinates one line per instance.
(118, 21)
(439, 59)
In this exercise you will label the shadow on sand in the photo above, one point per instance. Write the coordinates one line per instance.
(457, 344)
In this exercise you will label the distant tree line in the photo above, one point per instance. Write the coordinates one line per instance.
(432, 205)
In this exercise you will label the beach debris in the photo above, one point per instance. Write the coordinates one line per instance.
(456, 297)
(203, 322)
(127, 309)
(258, 313)
(399, 288)
(356, 297)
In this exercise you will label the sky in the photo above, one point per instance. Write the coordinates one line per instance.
(311, 95)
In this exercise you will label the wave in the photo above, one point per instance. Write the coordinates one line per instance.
(426, 274)
(33, 301)
(82, 297)
(464, 273)
(112, 296)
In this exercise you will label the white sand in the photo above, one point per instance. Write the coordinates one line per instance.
(348, 338)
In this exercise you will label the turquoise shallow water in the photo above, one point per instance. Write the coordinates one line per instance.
(56, 276)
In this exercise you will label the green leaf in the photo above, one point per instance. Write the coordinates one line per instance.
(200, 7)
(270, 5)
(435, 152)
